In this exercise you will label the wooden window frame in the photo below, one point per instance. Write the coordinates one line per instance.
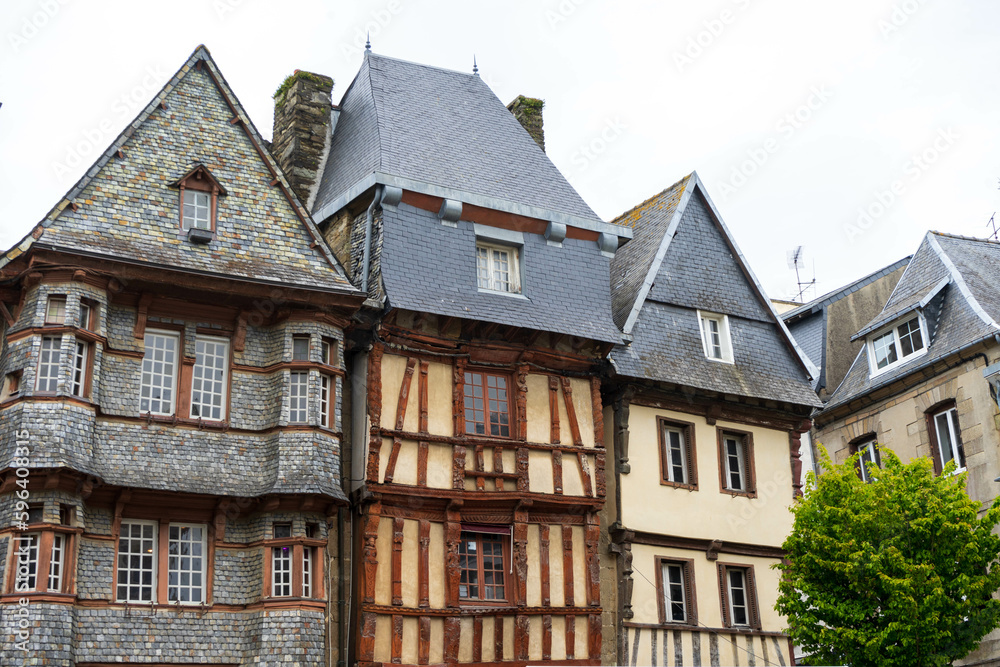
(92, 317)
(859, 444)
(511, 417)
(929, 418)
(199, 179)
(161, 561)
(505, 553)
(87, 371)
(750, 474)
(179, 368)
(226, 380)
(690, 593)
(327, 412)
(299, 546)
(753, 606)
(48, 301)
(691, 455)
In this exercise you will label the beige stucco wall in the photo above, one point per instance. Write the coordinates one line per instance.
(648, 505)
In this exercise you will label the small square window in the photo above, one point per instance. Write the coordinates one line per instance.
(312, 530)
(736, 462)
(13, 384)
(36, 514)
(281, 530)
(715, 339)
(300, 348)
(498, 268)
(66, 513)
(55, 310)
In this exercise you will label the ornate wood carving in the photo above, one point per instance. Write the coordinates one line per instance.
(452, 638)
(424, 645)
(498, 466)
(477, 639)
(567, 538)
(522, 631)
(621, 544)
(795, 450)
(139, 330)
(621, 432)
(375, 387)
(521, 401)
(480, 467)
(370, 551)
(374, 450)
(458, 396)
(546, 637)
(240, 332)
(543, 563)
(423, 396)
(390, 467)
(458, 468)
(423, 574)
(574, 425)
(422, 464)
(597, 405)
(557, 472)
(591, 540)
(570, 637)
(594, 636)
(521, 554)
(498, 622)
(396, 650)
(599, 475)
(404, 392)
(366, 647)
(554, 435)
(397, 561)
(588, 489)
(522, 469)
(452, 537)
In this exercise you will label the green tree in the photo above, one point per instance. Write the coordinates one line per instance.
(897, 572)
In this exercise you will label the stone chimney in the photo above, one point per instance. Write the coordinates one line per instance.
(301, 138)
(528, 112)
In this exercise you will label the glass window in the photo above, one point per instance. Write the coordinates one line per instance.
(47, 378)
(487, 405)
(675, 454)
(715, 338)
(481, 559)
(298, 398)
(197, 210)
(55, 311)
(159, 373)
(674, 596)
(739, 612)
(208, 382)
(26, 562)
(497, 268)
(869, 455)
(136, 561)
(325, 402)
(56, 563)
(734, 450)
(949, 438)
(79, 379)
(300, 348)
(897, 343)
(281, 571)
(185, 563)
(307, 569)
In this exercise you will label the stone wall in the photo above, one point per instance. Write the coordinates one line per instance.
(302, 129)
(528, 112)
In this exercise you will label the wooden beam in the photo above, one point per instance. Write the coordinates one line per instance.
(390, 466)
(404, 392)
(424, 645)
(498, 466)
(543, 563)
(397, 562)
(396, 650)
(423, 396)
(568, 591)
(422, 448)
(574, 425)
(554, 435)
(423, 573)
(557, 472)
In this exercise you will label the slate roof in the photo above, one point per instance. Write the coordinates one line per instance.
(687, 260)
(128, 211)
(443, 128)
(962, 313)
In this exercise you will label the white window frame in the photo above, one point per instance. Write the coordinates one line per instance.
(86, 316)
(81, 357)
(668, 602)
(894, 330)
(34, 541)
(326, 393)
(173, 377)
(867, 448)
(57, 562)
(200, 404)
(725, 339)
(190, 202)
(307, 572)
(954, 436)
(284, 554)
(747, 610)
(741, 457)
(683, 446)
(52, 365)
(293, 411)
(487, 282)
(202, 588)
(154, 559)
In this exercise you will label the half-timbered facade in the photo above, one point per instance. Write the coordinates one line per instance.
(170, 417)
(705, 407)
(477, 434)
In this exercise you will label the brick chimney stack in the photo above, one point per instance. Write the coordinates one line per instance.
(528, 112)
(302, 130)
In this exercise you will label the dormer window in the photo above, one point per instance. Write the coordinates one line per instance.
(715, 338)
(197, 207)
(498, 268)
(897, 344)
(199, 193)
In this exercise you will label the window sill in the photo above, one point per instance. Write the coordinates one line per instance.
(740, 494)
(898, 364)
(510, 295)
(721, 361)
(675, 485)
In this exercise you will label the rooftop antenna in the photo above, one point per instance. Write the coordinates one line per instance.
(368, 41)
(992, 224)
(475, 67)
(795, 261)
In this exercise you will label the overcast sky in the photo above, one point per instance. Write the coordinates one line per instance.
(849, 128)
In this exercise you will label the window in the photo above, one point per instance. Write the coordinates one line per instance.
(328, 352)
(55, 310)
(56, 560)
(736, 462)
(159, 373)
(88, 315)
(36, 514)
(27, 562)
(281, 571)
(47, 379)
(869, 454)
(675, 581)
(487, 404)
(677, 454)
(280, 530)
(208, 382)
(715, 339)
(307, 569)
(300, 348)
(13, 383)
(739, 596)
(325, 404)
(185, 563)
(78, 381)
(136, 561)
(498, 269)
(946, 438)
(896, 344)
(481, 560)
(197, 210)
(298, 398)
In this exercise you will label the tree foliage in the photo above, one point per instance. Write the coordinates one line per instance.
(899, 571)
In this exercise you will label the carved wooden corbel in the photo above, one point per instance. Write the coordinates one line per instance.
(621, 405)
(139, 331)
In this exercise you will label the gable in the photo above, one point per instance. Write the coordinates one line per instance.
(127, 208)
(700, 271)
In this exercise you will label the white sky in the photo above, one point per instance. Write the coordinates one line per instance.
(637, 95)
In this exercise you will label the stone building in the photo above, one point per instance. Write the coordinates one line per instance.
(705, 408)
(924, 382)
(478, 454)
(173, 373)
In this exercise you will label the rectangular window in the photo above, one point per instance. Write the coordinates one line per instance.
(185, 563)
(88, 315)
(159, 373)
(298, 398)
(300, 348)
(487, 404)
(81, 353)
(55, 310)
(281, 571)
(281, 530)
(869, 455)
(736, 462)
(949, 438)
(497, 268)
(56, 563)
(307, 572)
(675, 580)
(136, 561)
(26, 562)
(325, 402)
(208, 381)
(328, 352)
(677, 454)
(197, 210)
(715, 339)
(47, 379)
(481, 560)
(897, 344)
(739, 597)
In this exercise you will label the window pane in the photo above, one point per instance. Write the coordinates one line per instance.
(735, 464)
(47, 378)
(56, 310)
(300, 348)
(676, 456)
(910, 340)
(885, 350)
(158, 374)
(673, 592)
(281, 571)
(298, 398)
(737, 597)
(135, 562)
(183, 585)
(208, 382)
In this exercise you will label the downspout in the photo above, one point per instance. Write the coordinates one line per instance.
(369, 221)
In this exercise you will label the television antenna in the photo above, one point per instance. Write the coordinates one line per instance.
(797, 262)
(992, 224)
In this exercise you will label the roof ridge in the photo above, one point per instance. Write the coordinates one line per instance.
(413, 62)
(375, 106)
(649, 199)
(960, 237)
(959, 280)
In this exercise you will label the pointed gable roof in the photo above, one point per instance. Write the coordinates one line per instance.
(684, 258)
(125, 208)
(446, 134)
